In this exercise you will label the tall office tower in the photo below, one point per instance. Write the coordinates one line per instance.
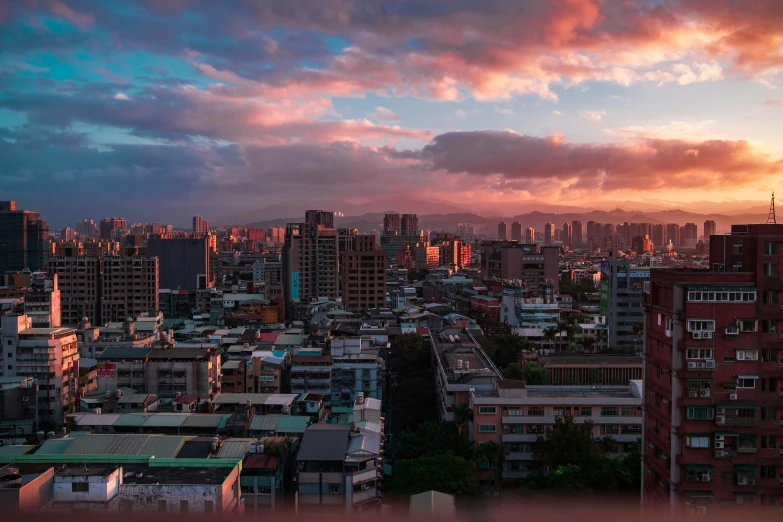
(642, 244)
(109, 225)
(712, 381)
(276, 235)
(690, 234)
(626, 231)
(129, 286)
(51, 355)
(599, 233)
(577, 234)
(502, 231)
(466, 232)
(363, 275)
(610, 232)
(530, 236)
(516, 231)
(409, 225)
(567, 234)
(658, 235)
(183, 263)
(23, 239)
(621, 288)
(42, 301)
(392, 223)
(87, 228)
(673, 234)
(549, 233)
(590, 230)
(709, 229)
(200, 227)
(311, 258)
(78, 279)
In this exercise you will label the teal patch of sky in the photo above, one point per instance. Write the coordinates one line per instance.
(336, 44)
(10, 119)
(58, 69)
(104, 136)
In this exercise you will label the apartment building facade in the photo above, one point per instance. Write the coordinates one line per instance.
(621, 288)
(713, 424)
(363, 275)
(534, 267)
(129, 286)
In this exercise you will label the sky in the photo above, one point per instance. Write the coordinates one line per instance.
(161, 109)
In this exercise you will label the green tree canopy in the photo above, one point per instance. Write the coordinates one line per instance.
(534, 374)
(433, 438)
(568, 443)
(441, 472)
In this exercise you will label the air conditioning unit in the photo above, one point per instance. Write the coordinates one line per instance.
(719, 444)
(704, 393)
(505, 427)
(701, 510)
(720, 419)
(697, 335)
(720, 454)
(733, 397)
(693, 393)
(706, 335)
(719, 437)
(706, 477)
(691, 365)
(701, 365)
(710, 363)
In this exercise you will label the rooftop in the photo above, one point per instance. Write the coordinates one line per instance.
(124, 352)
(324, 442)
(147, 475)
(590, 359)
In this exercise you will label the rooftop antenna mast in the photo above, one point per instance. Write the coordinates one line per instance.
(771, 217)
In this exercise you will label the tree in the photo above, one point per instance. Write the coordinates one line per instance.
(514, 372)
(433, 438)
(534, 374)
(638, 331)
(550, 334)
(412, 355)
(443, 472)
(568, 443)
(492, 453)
(588, 344)
(462, 415)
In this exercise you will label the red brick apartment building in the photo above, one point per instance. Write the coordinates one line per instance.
(713, 434)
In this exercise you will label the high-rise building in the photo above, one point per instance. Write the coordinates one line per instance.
(311, 258)
(466, 232)
(709, 229)
(502, 231)
(392, 223)
(129, 286)
(567, 234)
(183, 263)
(42, 301)
(533, 266)
(78, 279)
(87, 228)
(690, 235)
(363, 275)
(200, 227)
(453, 251)
(659, 235)
(673, 234)
(712, 378)
(516, 231)
(391, 244)
(577, 234)
(608, 231)
(409, 225)
(23, 239)
(109, 225)
(51, 355)
(530, 236)
(621, 301)
(642, 244)
(549, 233)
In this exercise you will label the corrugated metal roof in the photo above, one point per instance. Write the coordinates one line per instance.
(324, 442)
(125, 444)
(366, 442)
(162, 447)
(292, 424)
(132, 419)
(123, 352)
(136, 398)
(15, 450)
(241, 398)
(202, 420)
(232, 365)
(95, 419)
(164, 420)
(234, 449)
(264, 422)
(54, 446)
(281, 399)
(88, 445)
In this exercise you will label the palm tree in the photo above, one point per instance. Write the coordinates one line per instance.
(638, 330)
(588, 344)
(462, 415)
(492, 453)
(550, 334)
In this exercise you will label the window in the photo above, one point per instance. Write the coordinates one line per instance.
(699, 353)
(209, 506)
(535, 411)
(80, 487)
(769, 356)
(487, 410)
(609, 411)
(747, 325)
(334, 489)
(696, 384)
(630, 411)
(768, 472)
(668, 324)
(701, 325)
(769, 413)
(183, 506)
(769, 326)
(769, 384)
(162, 506)
(700, 412)
(770, 248)
(558, 412)
(747, 355)
(771, 269)
(744, 381)
(769, 442)
(585, 411)
(697, 441)
(770, 297)
(737, 248)
(487, 428)
(515, 412)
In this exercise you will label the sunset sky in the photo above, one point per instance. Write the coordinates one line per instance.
(159, 109)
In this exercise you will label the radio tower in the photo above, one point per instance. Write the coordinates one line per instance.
(771, 217)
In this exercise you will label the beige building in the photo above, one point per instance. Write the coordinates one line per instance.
(51, 356)
(129, 286)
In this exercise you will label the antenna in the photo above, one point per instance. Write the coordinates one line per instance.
(771, 217)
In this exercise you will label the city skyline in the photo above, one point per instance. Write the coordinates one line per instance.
(177, 109)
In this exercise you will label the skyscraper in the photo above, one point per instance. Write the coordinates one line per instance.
(129, 286)
(690, 234)
(23, 239)
(709, 229)
(516, 231)
(566, 235)
(577, 234)
(392, 223)
(502, 231)
(200, 227)
(363, 275)
(549, 233)
(530, 236)
(409, 225)
(673, 234)
(109, 225)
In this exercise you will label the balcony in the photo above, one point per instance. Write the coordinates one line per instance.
(731, 332)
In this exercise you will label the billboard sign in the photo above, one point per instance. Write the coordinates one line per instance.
(294, 285)
(107, 371)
